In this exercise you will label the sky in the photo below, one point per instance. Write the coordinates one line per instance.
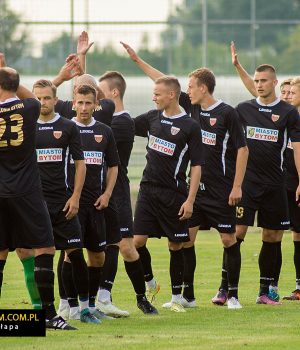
(96, 10)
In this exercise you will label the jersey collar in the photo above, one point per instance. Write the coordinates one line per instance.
(174, 116)
(12, 99)
(53, 120)
(270, 104)
(121, 112)
(93, 121)
(213, 106)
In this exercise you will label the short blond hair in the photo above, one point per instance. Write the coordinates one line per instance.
(205, 76)
(171, 82)
(295, 81)
(44, 83)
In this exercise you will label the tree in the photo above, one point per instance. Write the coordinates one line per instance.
(13, 41)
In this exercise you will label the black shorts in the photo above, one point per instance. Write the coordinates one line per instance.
(67, 233)
(156, 214)
(211, 209)
(25, 222)
(294, 211)
(270, 202)
(111, 215)
(92, 227)
(123, 202)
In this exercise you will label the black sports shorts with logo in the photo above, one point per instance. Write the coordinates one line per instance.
(156, 213)
(270, 201)
(211, 209)
(25, 222)
(67, 233)
(92, 224)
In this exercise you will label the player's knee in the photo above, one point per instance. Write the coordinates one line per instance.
(175, 245)
(228, 240)
(96, 259)
(272, 235)
(140, 241)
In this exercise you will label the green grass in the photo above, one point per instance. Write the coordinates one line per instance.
(206, 327)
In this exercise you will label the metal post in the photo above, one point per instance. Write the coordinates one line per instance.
(204, 33)
(252, 33)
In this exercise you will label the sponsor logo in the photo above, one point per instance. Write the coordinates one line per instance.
(174, 130)
(45, 127)
(183, 234)
(202, 186)
(124, 229)
(209, 138)
(289, 144)
(93, 157)
(224, 225)
(102, 244)
(74, 240)
(205, 114)
(262, 134)
(285, 223)
(161, 145)
(88, 131)
(57, 134)
(98, 138)
(212, 121)
(275, 117)
(265, 110)
(49, 155)
(166, 122)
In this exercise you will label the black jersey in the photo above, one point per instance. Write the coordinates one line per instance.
(292, 180)
(103, 112)
(99, 148)
(18, 166)
(123, 130)
(222, 135)
(56, 140)
(172, 143)
(267, 129)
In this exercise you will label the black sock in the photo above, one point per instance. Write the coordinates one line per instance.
(44, 278)
(135, 272)
(189, 260)
(277, 267)
(94, 283)
(266, 261)
(146, 262)
(69, 286)
(224, 278)
(233, 267)
(80, 273)
(2, 263)
(110, 267)
(61, 288)
(297, 260)
(176, 271)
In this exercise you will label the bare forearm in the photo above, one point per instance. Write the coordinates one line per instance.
(23, 92)
(195, 176)
(241, 165)
(150, 71)
(246, 79)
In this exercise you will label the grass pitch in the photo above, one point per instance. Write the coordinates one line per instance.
(206, 327)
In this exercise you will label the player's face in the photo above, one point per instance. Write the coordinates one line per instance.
(48, 101)
(265, 83)
(295, 96)
(103, 85)
(285, 94)
(162, 96)
(195, 91)
(84, 106)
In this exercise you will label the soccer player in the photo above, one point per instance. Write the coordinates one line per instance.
(113, 86)
(20, 190)
(291, 184)
(222, 176)
(164, 203)
(99, 152)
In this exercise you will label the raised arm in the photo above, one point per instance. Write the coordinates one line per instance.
(69, 70)
(83, 46)
(244, 75)
(152, 72)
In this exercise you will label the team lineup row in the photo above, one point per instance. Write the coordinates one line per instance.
(66, 182)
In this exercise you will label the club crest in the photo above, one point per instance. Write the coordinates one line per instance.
(174, 130)
(98, 138)
(212, 121)
(57, 134)
(275, 117)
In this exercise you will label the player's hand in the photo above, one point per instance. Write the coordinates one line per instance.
(185, 211)
(132, 54)
(83, 44)
(70, 69)
(71, 208)
(2, 60)
(234, 57)
(235, 196)
(102, 202)
(298, 195)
